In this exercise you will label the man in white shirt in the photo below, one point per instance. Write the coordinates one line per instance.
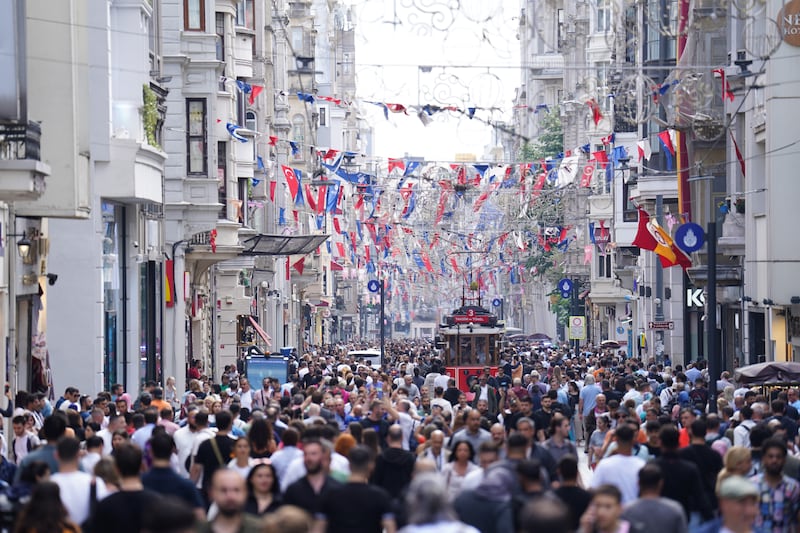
(621, 469)
(741, 433)
(246, 394)
(76, 486)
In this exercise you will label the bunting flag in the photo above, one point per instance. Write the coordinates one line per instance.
(233, 129)
(272, 185)
(295, 147)
(321, 195)
(587, 176)
(567, 171)
(597, 114)
(244, 86)
(454, 263)
(305, 97)
(256, 90)
(411, 166)
(298, 265)
(665, 138)
(738, 154)
(291, 180)
(331, 198)
(609, 139)
(651, 236)
(336, 225)
(645, 151)
(340, 248)
(537, 186)
(336, 266)
(541, 107)
(311, 203)
(273, 140)
(396, 163)
(726, 90)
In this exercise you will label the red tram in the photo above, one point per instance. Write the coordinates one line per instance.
(471, 339)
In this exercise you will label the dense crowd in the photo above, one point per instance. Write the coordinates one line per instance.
(343, 446)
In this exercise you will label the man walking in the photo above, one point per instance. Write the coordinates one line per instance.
(78, 489)
(650, 511)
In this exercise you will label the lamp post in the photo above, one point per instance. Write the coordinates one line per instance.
(704, 194)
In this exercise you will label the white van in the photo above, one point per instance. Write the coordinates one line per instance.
(373, 355)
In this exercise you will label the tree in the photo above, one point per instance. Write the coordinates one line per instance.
(548, 143)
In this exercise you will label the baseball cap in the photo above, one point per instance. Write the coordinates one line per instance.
(736, 488)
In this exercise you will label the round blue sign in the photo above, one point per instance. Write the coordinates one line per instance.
(690, 237)
(497, 302)
(373, 285)
(565, 285)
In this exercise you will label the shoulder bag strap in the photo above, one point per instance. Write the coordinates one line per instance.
(217, 453)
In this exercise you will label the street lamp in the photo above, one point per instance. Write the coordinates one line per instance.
(23, 245)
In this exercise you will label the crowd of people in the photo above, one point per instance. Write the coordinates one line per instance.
(343, 446)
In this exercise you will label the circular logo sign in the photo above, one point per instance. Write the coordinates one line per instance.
(373, 285)
(497, 302)
(789, 22)
(690, 237)
(565, 285)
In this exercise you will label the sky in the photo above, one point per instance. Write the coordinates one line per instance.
(473, 53)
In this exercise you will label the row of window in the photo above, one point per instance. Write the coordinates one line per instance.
(194, 15)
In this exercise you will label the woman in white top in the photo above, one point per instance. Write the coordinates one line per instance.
(459, 466)
(241, 461)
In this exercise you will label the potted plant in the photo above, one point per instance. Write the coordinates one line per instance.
(738, 204)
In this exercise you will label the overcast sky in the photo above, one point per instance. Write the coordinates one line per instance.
(477, 45)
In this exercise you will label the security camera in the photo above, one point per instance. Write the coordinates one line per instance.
(135, 244)
(52, 278)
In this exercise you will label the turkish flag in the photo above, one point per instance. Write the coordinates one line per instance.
(588, 174)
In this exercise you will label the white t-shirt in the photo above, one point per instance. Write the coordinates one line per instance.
(246, 399)
(622, 471)
(75, 491)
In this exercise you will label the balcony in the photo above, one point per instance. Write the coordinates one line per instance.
(22, 175)
(731, 243)
(243, 53)
(546, 66)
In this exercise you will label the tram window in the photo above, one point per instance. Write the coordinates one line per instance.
(466, 354)
(493, 351)
(451, 357)
(481, 349)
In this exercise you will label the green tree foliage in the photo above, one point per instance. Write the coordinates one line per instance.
(548, 143)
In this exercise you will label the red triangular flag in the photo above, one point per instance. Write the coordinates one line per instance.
(272, 185)
(597, 115)
(273, 140)
(336, 225)
(254, 92)
(299, 265)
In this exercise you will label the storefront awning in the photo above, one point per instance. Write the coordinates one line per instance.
(282, 244)
(261, 333)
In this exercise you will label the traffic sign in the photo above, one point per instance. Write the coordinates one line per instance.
(565, 286)
(497, 302)
(577, 327)
(373, 285)
(661, 324)
(689, 237)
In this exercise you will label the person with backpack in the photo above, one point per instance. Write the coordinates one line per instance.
(24, 441)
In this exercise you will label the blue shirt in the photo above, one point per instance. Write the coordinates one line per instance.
(589, 396)
(165, 481)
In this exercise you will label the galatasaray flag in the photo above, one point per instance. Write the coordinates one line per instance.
(651, 236)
